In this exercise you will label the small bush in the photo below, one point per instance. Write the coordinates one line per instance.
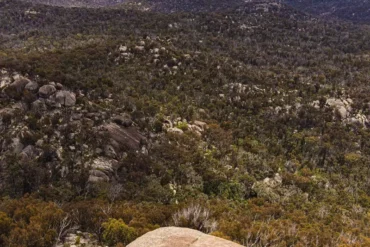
(116, 231)
(183, 126)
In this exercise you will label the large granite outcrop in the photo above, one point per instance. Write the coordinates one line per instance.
(180, 237)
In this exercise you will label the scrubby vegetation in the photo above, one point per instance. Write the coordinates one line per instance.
(249, 123)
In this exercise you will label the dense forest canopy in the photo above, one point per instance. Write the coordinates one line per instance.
(248, 121)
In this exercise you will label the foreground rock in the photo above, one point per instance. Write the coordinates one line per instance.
(180, 237)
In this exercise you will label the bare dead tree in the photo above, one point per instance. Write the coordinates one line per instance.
(65, 226)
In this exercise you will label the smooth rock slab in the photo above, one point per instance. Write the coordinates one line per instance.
(122, 138)
(180, 237)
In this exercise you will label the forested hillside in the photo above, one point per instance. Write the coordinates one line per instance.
(152, 5)
(79, 3)
(352, 10)
(249, 123)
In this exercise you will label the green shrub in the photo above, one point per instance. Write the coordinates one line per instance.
(183, 126)
(116, 231)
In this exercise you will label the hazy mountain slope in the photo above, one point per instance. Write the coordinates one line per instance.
(157, 5)
(79, 3)
(352, 10)
(192, 5)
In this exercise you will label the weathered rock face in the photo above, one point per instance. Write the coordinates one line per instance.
(4, 81)
(266, 188)
(196, 127)
(180, 237)
(110, 152)
(342, 106)
(175, 131)
(124, 120)
(65, 98)
(16, 145)
(200, 124)
(59, 86)
(29, 153)
(359, 119)
(32, 86)
(47, 90)
(122, 138)
(102, 170)
(15, 89)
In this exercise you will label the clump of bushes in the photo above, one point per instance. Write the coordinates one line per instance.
(116, 231)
